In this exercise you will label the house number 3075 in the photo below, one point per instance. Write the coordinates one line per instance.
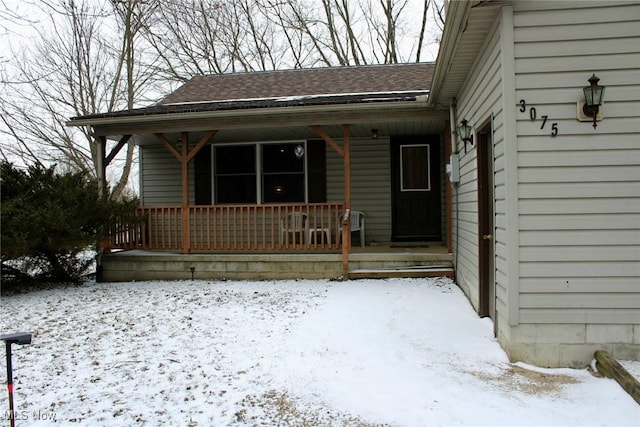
(533, 115)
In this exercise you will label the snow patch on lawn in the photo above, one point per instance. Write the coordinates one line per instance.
(402, 352)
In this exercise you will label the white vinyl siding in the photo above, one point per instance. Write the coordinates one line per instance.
(579, 193)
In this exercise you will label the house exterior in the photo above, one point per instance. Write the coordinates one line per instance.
(272, 163)
(546, 213)
(539, 213)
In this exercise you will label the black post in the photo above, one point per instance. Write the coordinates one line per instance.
(20, 338)
(12, 418)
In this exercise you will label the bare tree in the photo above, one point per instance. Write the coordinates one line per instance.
(216, 36)
(95, 56)
(75, 68)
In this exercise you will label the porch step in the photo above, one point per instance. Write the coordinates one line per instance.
(402, 272)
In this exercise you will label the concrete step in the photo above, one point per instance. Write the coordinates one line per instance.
(417, 271)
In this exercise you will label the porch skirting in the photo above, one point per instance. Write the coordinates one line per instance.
(137, 265)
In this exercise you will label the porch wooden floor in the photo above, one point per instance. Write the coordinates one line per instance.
(379, 261)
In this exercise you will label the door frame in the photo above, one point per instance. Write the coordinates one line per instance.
(434, 143)
(486, 233)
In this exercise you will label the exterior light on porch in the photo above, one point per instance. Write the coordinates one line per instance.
(593, 98)
(374, 133)
(299, 151)
(465, 131)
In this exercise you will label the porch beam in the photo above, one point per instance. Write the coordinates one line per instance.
(203, 141)
(116, 149)
(163, 139)
(322, 134)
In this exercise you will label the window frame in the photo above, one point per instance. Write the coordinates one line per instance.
(259, 170)
(427, 163)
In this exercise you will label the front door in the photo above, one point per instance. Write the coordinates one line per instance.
(485, 224)
(416, 204)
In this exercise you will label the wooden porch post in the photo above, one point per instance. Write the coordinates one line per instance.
(101, 167)
(184, 156)
(104, 160)
(345, 153)
(447, 156)
(346, 225)
(184, 214)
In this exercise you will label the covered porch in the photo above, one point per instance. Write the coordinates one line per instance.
(245, 175)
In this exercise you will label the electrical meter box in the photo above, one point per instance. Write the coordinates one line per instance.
(453, 169)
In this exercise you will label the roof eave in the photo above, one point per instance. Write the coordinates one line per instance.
(457, 12)
(238, 118)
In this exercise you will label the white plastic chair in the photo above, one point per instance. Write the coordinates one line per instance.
(295, 222)
(357, 224)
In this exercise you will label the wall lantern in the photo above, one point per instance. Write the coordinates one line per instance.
(593, 98)
(374, 133)
(465, 132)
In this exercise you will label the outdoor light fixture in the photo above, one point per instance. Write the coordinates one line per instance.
(299, 151)
(20, 338)
(466, 133)
(593, 98)
(374, 133)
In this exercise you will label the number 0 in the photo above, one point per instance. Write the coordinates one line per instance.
(532, 113)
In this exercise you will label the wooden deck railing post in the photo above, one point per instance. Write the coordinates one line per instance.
(237, 228)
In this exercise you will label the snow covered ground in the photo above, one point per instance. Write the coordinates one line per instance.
(408, 352)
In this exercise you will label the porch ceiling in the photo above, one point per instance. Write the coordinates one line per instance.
(289, 133)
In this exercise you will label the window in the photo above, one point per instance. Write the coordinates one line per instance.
(235, 174)
(283, 173)
(414, 166)
(291, 172)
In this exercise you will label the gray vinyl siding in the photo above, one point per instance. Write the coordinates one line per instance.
(579, 195)
(370, 184)
(567, 208)
(160, 174)
(481, 103)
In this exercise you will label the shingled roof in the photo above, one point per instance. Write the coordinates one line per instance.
(304, 82)
(308, 86)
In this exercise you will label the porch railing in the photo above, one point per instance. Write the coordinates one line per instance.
(313, 226)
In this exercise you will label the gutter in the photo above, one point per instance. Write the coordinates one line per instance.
(418, 104)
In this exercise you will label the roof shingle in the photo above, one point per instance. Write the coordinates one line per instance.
(300, 87)
(304, 82)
